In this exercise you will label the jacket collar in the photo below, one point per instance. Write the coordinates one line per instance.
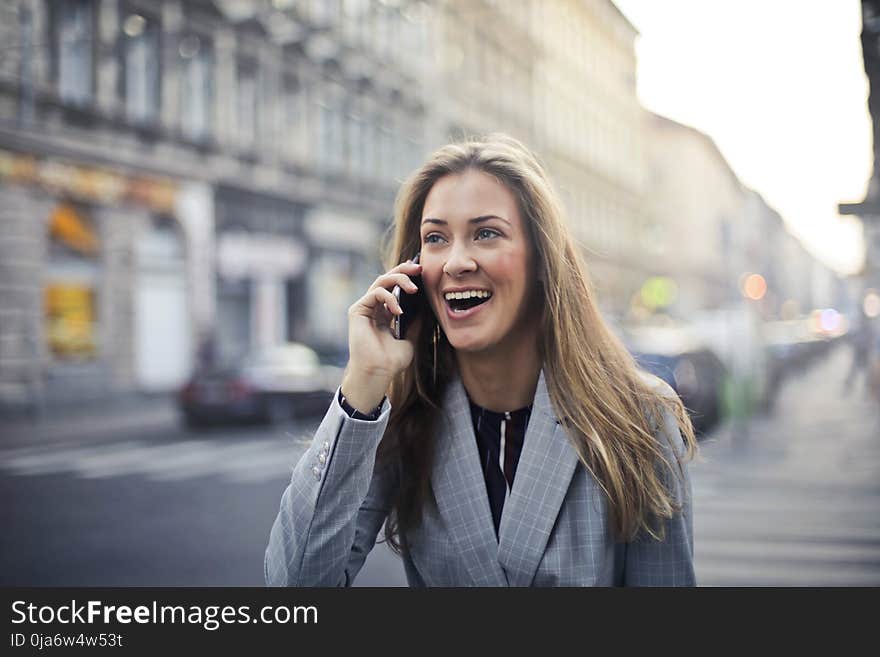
(546, 466)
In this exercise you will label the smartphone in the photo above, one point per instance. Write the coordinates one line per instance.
(411, 304)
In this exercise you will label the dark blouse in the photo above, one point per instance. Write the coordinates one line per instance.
(500, 439)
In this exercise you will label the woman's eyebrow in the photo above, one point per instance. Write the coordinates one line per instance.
(475, 220)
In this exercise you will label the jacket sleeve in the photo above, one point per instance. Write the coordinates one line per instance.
(670, 562)
(333, 507)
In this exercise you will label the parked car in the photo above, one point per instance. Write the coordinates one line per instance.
(697, 375)
(277, 384)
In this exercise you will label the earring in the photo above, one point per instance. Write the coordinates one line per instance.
(435, 338)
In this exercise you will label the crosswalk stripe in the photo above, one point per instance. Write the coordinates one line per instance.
(240, 461)
(256, 459)
(46, 462)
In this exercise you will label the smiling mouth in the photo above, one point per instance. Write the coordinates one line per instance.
(460, 302)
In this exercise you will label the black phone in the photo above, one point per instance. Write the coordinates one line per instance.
(411, 304)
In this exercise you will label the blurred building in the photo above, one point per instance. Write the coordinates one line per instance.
(188, 180)
(182, 179)
(192, 177)
(868, 210)
(590, 134)
(723, 262)
(710, 233)
(696, 216)
(782, 260)
(484, 69)
(560, 76)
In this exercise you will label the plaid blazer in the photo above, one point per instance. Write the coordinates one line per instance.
(554, 527)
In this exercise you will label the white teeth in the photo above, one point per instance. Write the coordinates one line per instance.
(467, 294)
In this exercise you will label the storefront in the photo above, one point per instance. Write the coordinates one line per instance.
(94, 267)
(72, 283)
(261, 261)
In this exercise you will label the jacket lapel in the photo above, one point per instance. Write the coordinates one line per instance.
(460, 491)
(543, 475)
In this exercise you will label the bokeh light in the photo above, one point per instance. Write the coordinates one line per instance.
(659, 292)
(134, 25)
(871, 303)
(754, 287)
(829, 320)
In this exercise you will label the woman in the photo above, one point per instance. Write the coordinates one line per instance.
(518, 444)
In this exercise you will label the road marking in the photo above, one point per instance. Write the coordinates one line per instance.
(239, 461)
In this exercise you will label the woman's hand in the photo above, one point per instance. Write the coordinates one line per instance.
(375, 356)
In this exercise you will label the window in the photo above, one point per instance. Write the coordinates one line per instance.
(70, 292)
(414, 36)
(331, 127)
(383, 25)
(386, 153)
(294, 128)
(355, 144)
(325, 13)
(73, 28)
(247, 105)
(368, 136)
(392, 35)
(375, 150)
(140, 66)
(356, 15)
(197, 86)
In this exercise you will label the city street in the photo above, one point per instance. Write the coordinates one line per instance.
(791, 499)
(152, 507)
(794, 500)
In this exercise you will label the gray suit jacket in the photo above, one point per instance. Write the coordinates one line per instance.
(554, 527)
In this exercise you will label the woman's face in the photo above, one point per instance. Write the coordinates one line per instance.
(475, 246)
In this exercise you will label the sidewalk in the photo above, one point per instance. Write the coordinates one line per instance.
(92, 422)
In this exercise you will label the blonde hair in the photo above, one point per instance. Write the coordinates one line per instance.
(612, 411)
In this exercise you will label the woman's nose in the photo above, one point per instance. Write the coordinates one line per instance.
(459, 262)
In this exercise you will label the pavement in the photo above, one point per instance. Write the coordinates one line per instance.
(92, 422)
(792, 498)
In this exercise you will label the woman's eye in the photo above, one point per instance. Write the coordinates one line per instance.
(487, 233)
(433, 238)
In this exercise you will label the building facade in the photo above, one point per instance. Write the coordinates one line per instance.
(868, 210)
(560, 76)
(175, 174)
(696, 216)
(184, 179)
(591, 137)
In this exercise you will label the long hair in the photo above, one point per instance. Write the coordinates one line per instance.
(610, 409)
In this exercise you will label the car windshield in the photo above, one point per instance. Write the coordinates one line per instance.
(292, 356)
